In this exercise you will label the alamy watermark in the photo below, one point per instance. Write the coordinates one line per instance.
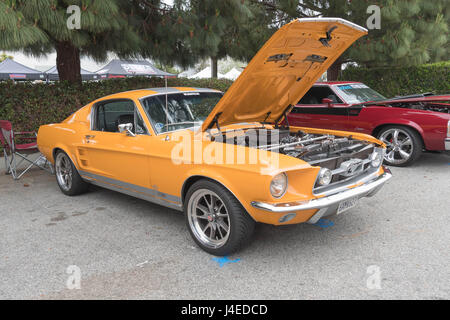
(374, 280)
(239, 147)
(74, 20)
(374, 21)
(74, 280)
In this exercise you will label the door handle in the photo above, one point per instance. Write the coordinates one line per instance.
(89, 137)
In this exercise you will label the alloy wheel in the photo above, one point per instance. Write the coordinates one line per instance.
(63, 168)
(400, 146)
(208, 218)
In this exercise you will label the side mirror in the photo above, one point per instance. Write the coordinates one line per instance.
(127, 128)
(328, 102)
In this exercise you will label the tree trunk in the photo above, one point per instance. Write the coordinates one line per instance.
(68, 62)
(214, 67)
(334, 71)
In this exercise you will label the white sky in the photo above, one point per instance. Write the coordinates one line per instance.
(45, 63)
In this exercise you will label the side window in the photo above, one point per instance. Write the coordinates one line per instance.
(316, 94)
(112, 114)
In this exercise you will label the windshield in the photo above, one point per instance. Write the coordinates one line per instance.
(183, 111)
(359, 93)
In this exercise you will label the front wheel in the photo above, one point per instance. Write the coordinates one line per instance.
(67, 176)
(216, 220)
(404, 145)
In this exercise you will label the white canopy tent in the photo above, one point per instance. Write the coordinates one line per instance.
(233, 74)
(205, 74)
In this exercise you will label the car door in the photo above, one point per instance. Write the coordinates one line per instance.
(312, 112)
(115, 158)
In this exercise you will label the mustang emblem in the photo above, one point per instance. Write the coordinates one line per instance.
(352, 167)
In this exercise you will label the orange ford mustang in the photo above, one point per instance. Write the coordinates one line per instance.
(227, 160)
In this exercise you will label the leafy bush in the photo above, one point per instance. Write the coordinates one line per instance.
(29, 106)
(393, 82)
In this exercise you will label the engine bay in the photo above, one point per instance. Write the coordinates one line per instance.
(435, 107)
(327, 151)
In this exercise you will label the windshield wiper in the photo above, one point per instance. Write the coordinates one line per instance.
(182, 123)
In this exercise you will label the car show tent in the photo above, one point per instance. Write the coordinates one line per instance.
(131, 68)
(204, 74)
(233, 74)
(12, 70)
(52, 75)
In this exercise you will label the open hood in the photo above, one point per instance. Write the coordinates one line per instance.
(283, 70)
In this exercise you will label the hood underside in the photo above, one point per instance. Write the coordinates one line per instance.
(283, 70)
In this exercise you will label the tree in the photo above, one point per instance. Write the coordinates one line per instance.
(4, 56)
(214, 29)
(164, 33)
(412, 32)
(39, 27)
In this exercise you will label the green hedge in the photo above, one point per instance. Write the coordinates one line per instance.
(29, 106)
(393, 82)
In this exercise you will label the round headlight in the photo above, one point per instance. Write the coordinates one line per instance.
(376, 159)
(325, 177)
(279, 185)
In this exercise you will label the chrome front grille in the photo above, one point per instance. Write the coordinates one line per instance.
(348, 168)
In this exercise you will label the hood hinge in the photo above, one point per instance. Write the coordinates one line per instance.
(326, 41)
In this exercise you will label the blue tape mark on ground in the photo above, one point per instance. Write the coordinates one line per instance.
(224, 261)
(324, 223)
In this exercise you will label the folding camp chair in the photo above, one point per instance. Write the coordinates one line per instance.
(11, 151)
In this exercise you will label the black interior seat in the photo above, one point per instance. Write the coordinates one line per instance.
(124, 119)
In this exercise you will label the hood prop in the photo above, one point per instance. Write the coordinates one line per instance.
(284, 116)
(215, 122)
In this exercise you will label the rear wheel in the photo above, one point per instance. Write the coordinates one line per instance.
(67, 176)
(216, 220)
(404, 145)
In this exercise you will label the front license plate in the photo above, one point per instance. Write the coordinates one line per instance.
(347, 205)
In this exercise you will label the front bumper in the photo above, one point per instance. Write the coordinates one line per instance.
(447, 144)
(327, 205)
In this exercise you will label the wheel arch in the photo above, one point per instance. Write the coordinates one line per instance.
(376, 131)
(58, 148)
(189, 182)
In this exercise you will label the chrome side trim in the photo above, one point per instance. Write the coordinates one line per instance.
(150, 195)
(366, 190)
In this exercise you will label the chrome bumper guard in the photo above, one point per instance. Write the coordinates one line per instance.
(368, 189)
(447, 144)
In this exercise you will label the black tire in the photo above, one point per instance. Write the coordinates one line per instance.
(240, 224)
(415, 150)
(77, 185)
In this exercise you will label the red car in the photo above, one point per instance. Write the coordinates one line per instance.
(408, 125)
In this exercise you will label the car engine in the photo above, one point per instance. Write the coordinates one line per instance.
(345, 157)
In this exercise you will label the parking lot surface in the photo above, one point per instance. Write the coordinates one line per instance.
(392, 246)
